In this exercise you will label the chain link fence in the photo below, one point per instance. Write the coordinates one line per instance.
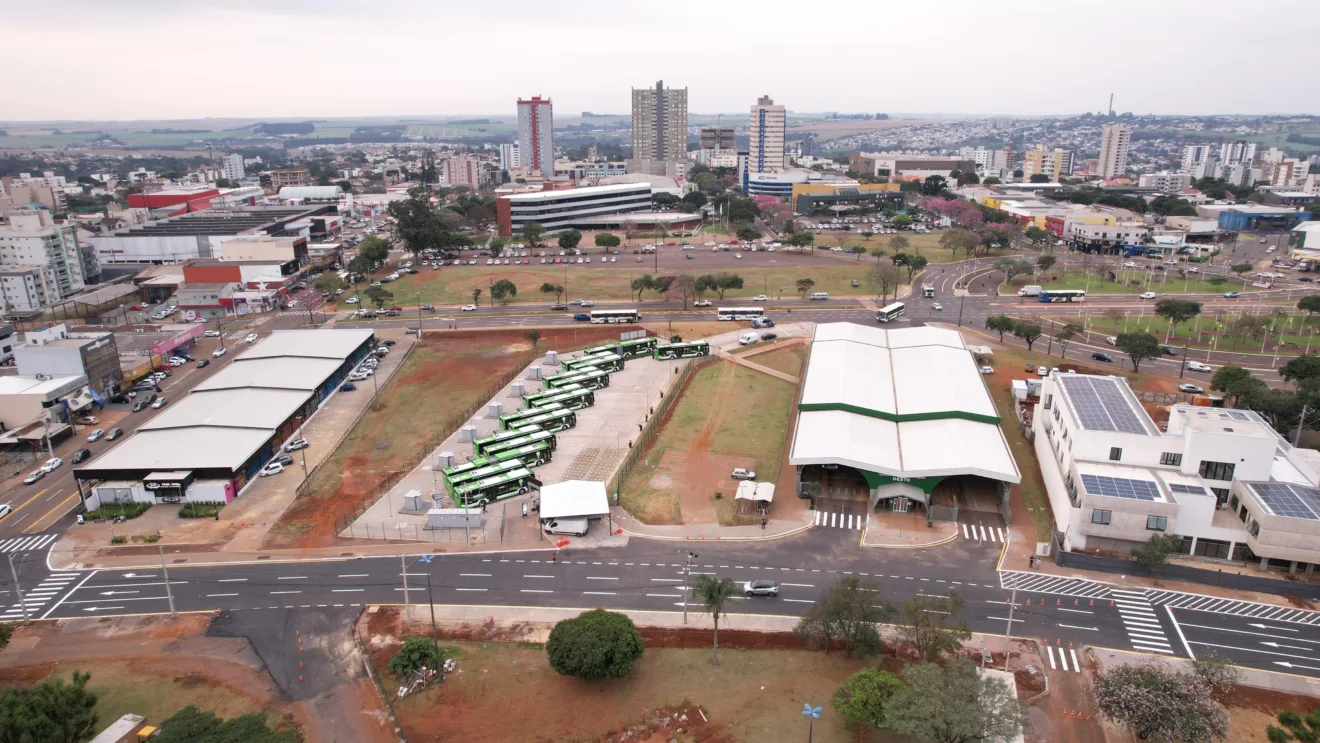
(648, 433)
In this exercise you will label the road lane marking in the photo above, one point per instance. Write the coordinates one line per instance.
(347, 590)
(70, 593)
(1073, 626)
(1181, 636)
(1076, 611)
(292, 577)
(600, 577)
(355, 575)
(667, 580)
(536, 590)
(801, 601)
(277, 593)
(538, 576)
(469, 589)
(666, 595)
(474, 575)
(798, 585)
(231, 580)
(218, 595)
(1249, 632)
(600, 593)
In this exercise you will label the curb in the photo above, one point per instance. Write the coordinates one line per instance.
(767, 538)
(946, 540)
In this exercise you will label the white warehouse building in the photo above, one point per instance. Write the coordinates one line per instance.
(1223, 481)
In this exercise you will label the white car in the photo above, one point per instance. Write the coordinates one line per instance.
(701, 303)
(274, 468)
(760, 298)
(159, 403)
(737, 255)
(1197, 366)
(218, 353)
(34, 476)
(212, 334)
(588, 303)
(5, 508)
(52, 463)
(469, 308)
(1193, 269)
(1111, 340)
(1044, 371)
(251, 338)
(1148, 295)
(490, 261)
(987, 370)
(350, 300)
(743, 474)
(1192, 388)
(614, 260)
(1129, 264)
(295, 445)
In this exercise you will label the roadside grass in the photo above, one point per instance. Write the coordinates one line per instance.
(788, 360)
(121, 687)
(756, 423)
(926, 245)
(1209, 331)
(1098, 285)
(689, 330)
(753, 695)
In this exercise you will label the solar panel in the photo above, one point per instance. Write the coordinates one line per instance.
(1179, 487)
(1118, 487)
(1238, 415)
(1281, 500)
(1101, 406)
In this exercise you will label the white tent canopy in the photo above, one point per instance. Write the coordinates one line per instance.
(574, 498)
(755, 491)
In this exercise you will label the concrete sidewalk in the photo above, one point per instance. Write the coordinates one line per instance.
(774, 529)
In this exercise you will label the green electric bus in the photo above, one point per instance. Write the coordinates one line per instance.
(530, 438)
(637, 347)
(494, 468)
(607, 348)
(554, 420)
(531, 455)
(607, 361)
(518, 418)
(681, 350)
(496, 487)
(458, 470)
(573, 397)
(592, 379)
(479, 445)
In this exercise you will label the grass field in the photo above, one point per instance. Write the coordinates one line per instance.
(1097, 285)
(1211, 331)
(452, 287)
(787, 360)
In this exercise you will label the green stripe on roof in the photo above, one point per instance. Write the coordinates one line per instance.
(897, 418)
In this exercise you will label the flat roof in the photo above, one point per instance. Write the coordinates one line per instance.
(574, 498)
(573, 192)
(263, 409)
(273, 373)
(17, 385)
(327, 343)
(1104, 403)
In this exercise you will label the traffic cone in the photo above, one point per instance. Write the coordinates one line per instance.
(1058, 643)
(1058, 602)
(1092, 602)
(1070, 647)
(1028, 602)
(1075, 603)
(300, 665)
(300, 678)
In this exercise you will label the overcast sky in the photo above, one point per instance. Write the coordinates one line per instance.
(148, 59)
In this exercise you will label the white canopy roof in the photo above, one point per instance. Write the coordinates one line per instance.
(574, 498)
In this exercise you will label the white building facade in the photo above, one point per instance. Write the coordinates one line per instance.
(536, 138)
(1115, 141)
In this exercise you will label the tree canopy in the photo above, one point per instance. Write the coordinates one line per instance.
(1139, 347)
(52, 710)
(1157, 702)
(930, 624)
(847, 612)
(503, 290)
(191, 725)
(594, 645)
(861, 699)
(954, 703)
(569, 239)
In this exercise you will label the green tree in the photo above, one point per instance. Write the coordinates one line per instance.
(50, 710)
(6, 632)
(1036, 234)
(1040, 178)
(534, 336)
(606, 240)
(695, 198)
(416, 652)
(934, 185)
(1177, 311)
(883, 278)
(191, 725)
(805, 285)
(1216, 281)
(1046, 262)
(374, 249)
(497, 245)
(555, 289)
(476, 295)
(660, 284)
(569, 239)
(1237, 383)
(901, 221)
(686, 286)
(328, 283)
(953, 704)
(1304, 369)
(1027, 331)
(1160, 703)
(1241, 268)
(959, 241)
(861, 699)
(379, 295)
(930, 624)
(1139, 347)
(594, 645)
(1295, 727)
(747, 234)
(1011, 267)
(532, 232)
(848, 611)
(801, 239)
(899, 244)
(646, 281)
(726, 281)
(1065, 335)
(503, 290)
(914, 264)
(1155, 551)
(1000, 324)
(714, 594)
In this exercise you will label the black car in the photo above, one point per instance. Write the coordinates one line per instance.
(120, 399)
(1098, 356)
(768, 336)
(82, 455)
(558, 306)
(283, 459)
(387, 342)
(140, 405)
(428, 308)
(113, 434)
(1169, 350)
(203, 363)
(1306, 279)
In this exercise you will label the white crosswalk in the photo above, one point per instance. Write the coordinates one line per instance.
(1216, 605)
(27, 543)
(979, 533)
(834, 519)
(1065, 655)
(36, 597)
(1053, 584)
(1141, 622)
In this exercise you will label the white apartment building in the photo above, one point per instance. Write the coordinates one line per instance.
(1165, 182)
(509, 156)
(1115, 141)
(1194, 157)
(536, 138)
(1223, 481)
(23, 289)
(33, 240)
(767, 127)
(231, 167)
(1238, 153)
(1103, 236)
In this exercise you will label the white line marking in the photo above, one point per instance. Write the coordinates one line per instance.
(235, 580)
(276, 593)
(469, 589)
(1073, 626)
(600, 593)
(474, 575)
(347, 590)
(70, 593)
(355, 575)
(218, 595)
(1182, 637)
(536, 590)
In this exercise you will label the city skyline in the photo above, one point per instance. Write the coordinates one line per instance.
(721, 79)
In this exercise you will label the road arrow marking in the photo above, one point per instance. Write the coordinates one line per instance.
(112, 593)
(138, 575)
(102, 608)
(1286, 664)
(1266, 626)
(1289, 647)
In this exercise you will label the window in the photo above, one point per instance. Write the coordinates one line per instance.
(1170, 459)
(1221, 494)
(1101, 517)
(1049, 401)
(1115, 453)
(1232, 501)
(1157, 523)
(1211, 548)
(1216, 470)
(1254, 529)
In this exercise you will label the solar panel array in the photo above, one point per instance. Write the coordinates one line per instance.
(1291, 501)
(1101, 406)
(1238, 415)
(1179, 487)
(1118, 487)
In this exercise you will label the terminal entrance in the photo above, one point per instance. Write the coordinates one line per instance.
(968, 499)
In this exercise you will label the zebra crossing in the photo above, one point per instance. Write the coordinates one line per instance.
(838, 520)
(1142, 624)
(27, 543)
(979, 533)
(36, 598)
(1060, 586)
(1216, 605)
(1064, 655)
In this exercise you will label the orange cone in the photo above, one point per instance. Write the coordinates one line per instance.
(300, 679)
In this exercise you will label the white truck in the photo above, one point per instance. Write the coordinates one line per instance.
(1032, 290)
(928, 290)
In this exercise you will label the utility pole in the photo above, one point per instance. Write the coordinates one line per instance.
(166, 571)
(1008, 636)
(404, 565)
(435, 640)
(687, 570)
(19, 591)
(1301, 423)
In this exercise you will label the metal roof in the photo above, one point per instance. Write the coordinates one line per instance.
(273, 373)
(327, 343)
(574, 498)
(203, 447)
(263, 409)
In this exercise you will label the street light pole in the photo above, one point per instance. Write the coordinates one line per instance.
(18, 591)
(687, 570)
(169, 593)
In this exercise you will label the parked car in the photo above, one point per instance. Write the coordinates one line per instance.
(768, 336)
(1192, 388)
(274, 468)
(88, 420)
(251, 338)
(203, 363)
(1099, 356)
(5, 509)
(295, 445)
(283, 460)
(113, 434)
(82, 455)
(1197, 366)
(1111, 340)
(140, 405)
(1043, 370)
(761, 588)
(347, 387)
(987, 370)
(743, 474)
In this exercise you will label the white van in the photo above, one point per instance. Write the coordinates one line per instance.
(748, 339)
(820, 295)
(573, 527)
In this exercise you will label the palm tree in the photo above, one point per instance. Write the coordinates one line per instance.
(714, 594)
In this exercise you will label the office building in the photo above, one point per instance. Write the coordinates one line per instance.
(766, 146)
(509, 156)
(1115, 141)
(536, 138)
(281, 178)
(56, 352)
(47, 259)
(659, 123)
(716, 138)
(231, 167)
(25, 192)
(201, 234)
(591, 208)
(908, 165)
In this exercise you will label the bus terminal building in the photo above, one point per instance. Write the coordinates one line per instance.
(896, 418)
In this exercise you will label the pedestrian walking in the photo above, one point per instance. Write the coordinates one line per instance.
(763, 524)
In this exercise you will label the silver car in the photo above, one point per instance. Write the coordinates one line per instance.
(761, 588)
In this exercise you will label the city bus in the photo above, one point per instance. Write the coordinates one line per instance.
(494, 468)
(889, 312)
(592, 379)
(607, 348)
(681, 350)
(610, 362)
(533, 455)
(496, 487)
(739, 313)
(518, 418)
(523, 440)
(479, 446)
(613, 316)
(1062, 295)
(554, 421)
(449, 473)
(573, 397)
(637, 347)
